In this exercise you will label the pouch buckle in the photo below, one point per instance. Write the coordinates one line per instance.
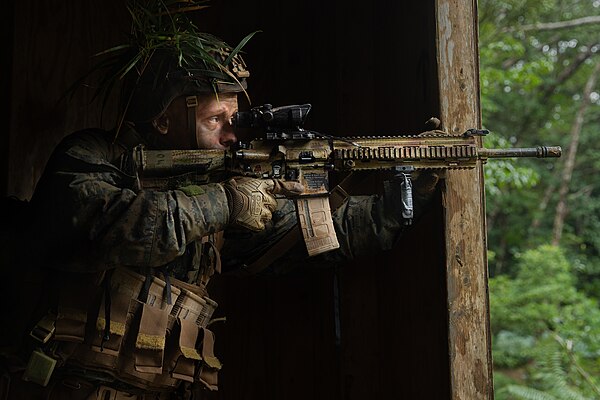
(44, 329)
(191, 101)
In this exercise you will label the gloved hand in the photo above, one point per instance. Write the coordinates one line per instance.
(425, 182)
(408, 204)
(251, 201)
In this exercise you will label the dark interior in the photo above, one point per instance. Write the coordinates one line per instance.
(373, 328)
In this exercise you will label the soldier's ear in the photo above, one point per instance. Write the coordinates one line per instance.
(161, 124)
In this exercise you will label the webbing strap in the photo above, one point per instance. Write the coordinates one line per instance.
(210, 262)
(217, 255)
(107, 306)
(167, 293)
(191, 103)
(143, 296)
(277, 250)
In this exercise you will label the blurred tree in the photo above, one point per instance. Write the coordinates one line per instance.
(546, 332)
(536, 56)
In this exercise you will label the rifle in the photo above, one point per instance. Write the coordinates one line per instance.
(290, 152)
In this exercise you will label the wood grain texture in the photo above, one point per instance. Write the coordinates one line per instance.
(468, 304)
(6, 75)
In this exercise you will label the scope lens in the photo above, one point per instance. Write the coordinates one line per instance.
(242, 119)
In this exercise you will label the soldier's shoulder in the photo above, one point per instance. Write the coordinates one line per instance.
(86, 139)
(93, 146)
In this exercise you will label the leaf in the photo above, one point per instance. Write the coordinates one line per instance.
(526, 393)
(241, 44)
(113, 50)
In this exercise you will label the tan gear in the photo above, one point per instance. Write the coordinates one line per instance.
(287, 188)
(128, 327)
(148, 333)
(251, 200)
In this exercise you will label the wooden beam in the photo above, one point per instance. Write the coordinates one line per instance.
(463, 198)
(6, 75)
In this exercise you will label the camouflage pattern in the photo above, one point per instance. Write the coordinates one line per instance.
(91, 215)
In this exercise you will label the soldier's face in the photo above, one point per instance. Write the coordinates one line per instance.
(213, 121)
(213, 124)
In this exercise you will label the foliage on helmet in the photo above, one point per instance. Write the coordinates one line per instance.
(166, 42)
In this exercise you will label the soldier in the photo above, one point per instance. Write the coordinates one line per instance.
(127, 309)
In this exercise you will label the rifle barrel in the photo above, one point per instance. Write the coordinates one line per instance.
(539, 152)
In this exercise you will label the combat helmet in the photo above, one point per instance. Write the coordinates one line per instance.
(167, 57)
(165, 79)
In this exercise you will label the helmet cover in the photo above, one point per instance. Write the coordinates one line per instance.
(164, 79)
(167, 57)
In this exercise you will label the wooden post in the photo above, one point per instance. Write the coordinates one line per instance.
(6, 78)
(463, 198)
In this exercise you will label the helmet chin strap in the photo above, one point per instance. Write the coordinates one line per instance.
(191, 103)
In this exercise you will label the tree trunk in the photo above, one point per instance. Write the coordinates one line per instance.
(546, 26)
(535, 224)
(569, 71)
(561, 207)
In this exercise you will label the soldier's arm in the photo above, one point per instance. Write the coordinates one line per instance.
(363, 224)
(86, 204)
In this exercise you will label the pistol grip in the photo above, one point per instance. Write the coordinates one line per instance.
(316, 224)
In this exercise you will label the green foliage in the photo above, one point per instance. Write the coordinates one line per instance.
(164, 25)
(501, 175)
(542, 290)
(525, 393)
(587, 269)
(544, 299)
(531, 86)
(528, 311)
(160, 27)
(512, 350)
(555, 376)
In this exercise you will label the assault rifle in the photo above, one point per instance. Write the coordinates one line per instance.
(290, 152)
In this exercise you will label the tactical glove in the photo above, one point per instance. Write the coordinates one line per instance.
(406, 200)
(425, 182)
(251, 201)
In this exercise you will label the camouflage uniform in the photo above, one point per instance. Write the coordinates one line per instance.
(94, 218)
(91, 216)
